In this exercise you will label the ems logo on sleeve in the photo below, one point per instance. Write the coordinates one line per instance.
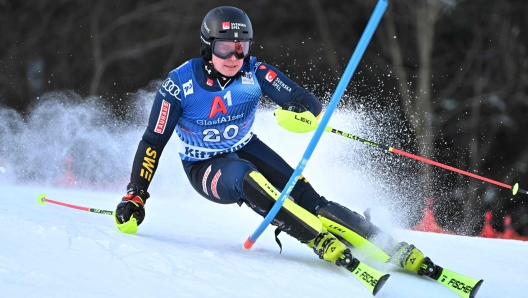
(247, 78)
(162, 118)
(188, 88)
(270, 76)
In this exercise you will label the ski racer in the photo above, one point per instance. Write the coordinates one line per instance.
(210, 104)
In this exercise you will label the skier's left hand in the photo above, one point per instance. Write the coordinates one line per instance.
(295, 117)
(294, 107)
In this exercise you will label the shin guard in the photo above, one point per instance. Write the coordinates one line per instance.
(291, 218)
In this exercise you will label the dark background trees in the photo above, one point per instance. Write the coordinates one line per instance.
(458, 69)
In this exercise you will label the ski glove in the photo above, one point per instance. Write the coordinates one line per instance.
(130, 212)
(294, 107)
(295, 117)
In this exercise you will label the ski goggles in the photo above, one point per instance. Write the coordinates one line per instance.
(223, 49)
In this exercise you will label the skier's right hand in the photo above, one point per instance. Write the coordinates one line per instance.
(130, 212)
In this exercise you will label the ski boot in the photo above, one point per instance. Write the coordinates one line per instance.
(330, 249)
(327, 247)
(408, 257)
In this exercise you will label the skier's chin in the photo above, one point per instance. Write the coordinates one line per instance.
(230, 70)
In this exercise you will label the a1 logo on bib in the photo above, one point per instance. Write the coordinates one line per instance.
(247, 78)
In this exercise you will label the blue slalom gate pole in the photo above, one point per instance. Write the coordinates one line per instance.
(336, 97)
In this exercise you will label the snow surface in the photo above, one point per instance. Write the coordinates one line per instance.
(190, 247)
(193, 248)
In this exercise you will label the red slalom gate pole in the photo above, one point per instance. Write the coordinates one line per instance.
(42, 200)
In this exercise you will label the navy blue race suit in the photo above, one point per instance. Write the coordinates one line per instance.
(213, 119)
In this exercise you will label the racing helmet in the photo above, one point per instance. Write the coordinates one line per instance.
(221, 29)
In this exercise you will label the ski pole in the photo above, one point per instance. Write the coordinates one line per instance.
(306, 121)
(340, 89)
(515, 188)
(43, 199)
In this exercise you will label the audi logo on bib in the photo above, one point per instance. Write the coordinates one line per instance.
(171, 87)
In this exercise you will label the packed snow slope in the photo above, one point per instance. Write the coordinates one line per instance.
(190, 247)
(193, 248)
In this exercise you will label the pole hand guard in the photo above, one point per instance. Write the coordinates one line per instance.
(296, 122)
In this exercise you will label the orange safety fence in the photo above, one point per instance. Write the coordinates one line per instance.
(429, 224)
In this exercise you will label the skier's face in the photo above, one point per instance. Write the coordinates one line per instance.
(228, 56)
(228, 67)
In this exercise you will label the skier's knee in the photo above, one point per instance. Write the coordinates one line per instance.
(227, 182)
